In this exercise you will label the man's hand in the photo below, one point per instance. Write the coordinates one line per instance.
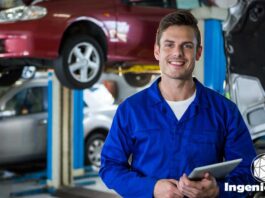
(167, 188)
(207, 187)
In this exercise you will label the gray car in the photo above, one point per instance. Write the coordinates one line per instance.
(23, 123)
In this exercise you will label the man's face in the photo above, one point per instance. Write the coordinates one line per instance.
(177, 52)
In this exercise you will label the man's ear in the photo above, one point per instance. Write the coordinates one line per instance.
(156, 52)
(198, 53)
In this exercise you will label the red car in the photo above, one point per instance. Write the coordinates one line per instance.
(78, 38)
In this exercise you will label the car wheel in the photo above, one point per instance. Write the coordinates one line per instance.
(94, 145)
(82, 62)
(9, 77)
(137, 80)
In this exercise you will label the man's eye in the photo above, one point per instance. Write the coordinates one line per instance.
(169, 45)
(188, 46)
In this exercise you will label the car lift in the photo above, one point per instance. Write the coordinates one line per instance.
(134, 69)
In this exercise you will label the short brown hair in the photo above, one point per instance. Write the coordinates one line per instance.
(180, 17)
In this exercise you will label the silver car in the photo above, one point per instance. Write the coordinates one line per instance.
(23, 123)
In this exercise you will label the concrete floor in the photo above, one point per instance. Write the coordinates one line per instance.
(12, 184)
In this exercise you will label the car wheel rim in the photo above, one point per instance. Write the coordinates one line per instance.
(84, 62)
(94, 152)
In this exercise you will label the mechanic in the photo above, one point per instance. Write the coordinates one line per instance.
(174, 126)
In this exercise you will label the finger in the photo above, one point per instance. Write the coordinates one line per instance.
(179, 194)
(212, 178)
(190, 192)
(207, 175)
(174, 189)
(185, 179)
(208, 180)
(190, 183)
(179, 189)
(177, 183)
(180, 185)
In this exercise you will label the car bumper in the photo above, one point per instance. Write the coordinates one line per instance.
(12, 45)
(28, 39)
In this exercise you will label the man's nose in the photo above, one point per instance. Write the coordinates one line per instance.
(178, 51)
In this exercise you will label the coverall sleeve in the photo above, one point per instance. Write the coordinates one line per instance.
(238, 144)
(115, 170)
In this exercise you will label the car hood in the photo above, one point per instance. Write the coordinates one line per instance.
(244, 39)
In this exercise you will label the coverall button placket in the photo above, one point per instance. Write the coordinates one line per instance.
(173, 145)
(175, 151)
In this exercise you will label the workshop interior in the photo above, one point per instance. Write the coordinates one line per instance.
(66, 66)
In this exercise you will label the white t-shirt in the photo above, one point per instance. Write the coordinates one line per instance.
(179, 107)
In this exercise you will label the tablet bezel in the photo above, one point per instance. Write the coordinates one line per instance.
(218, 170)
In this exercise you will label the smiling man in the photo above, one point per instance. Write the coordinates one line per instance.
(174, 126)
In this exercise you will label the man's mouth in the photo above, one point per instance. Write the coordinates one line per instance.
(177, 63)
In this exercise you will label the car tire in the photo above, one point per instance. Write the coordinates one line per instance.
(93, 148)
(81, 63)
(9, 77)
(137, 80)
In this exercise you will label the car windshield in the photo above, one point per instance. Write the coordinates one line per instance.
(4, 89)
(5, 4)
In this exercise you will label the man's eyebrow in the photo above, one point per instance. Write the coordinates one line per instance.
(188, 42)
(185, 42)
(168, 41)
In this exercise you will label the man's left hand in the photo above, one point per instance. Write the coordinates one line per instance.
(207, 187)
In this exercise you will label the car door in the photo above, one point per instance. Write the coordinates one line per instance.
(23, 134)
(136, 28)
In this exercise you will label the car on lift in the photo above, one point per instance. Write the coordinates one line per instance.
(23, 122)
(78, 38)
(244, 41)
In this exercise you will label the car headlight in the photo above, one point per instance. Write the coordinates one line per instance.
(22, 13)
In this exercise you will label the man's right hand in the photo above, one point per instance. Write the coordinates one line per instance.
(167, 188)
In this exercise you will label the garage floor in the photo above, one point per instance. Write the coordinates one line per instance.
(10, 184)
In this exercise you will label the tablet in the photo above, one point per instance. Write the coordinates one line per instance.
(219, 170)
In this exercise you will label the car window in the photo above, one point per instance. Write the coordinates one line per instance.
(157, 3)
(28, 101)
(256, 117)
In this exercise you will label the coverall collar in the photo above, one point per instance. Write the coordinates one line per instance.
(156, 96)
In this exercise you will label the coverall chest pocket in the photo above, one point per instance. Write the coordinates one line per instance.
(155, 138)
(205, 147)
